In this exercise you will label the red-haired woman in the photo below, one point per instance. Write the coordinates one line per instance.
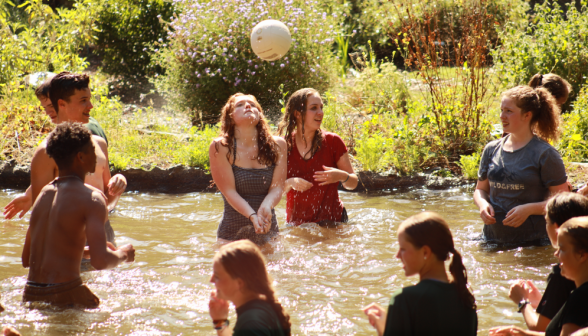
(317, 162)
(240, 276)
(518, 172)
(248, 165)
(436, 305)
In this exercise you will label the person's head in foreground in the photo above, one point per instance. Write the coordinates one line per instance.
(572, 250)
(242, 112)
(304, 114)
(572, 253)
(424, 244)
(440, 303)
(524, 109)
(557, 86)
(42, 93)
(562, 207)
(71, 97)
(70, 146)
(240, 276)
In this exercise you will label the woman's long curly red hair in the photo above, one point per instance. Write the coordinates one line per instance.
(268, 149)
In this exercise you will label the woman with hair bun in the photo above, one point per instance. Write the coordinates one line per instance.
(572, 252)
(317, 162)
(519, 172)
(248, 166)
(240, 276)
(557, 86)
(440, 304)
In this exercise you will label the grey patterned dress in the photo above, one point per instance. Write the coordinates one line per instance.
(253, 185)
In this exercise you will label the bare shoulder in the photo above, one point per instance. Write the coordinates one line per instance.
(97, 197)
(100, 142)
(216, 146)
(280, 141)
(41, 158)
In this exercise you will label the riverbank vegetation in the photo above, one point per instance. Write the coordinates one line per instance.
(410, 86)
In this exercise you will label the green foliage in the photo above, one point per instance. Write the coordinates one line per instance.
(554, 41)
(128, 29)
(131, 146)
(469, 165)
(34, 38)
(209, 56)
(380, 21)
(573, 144)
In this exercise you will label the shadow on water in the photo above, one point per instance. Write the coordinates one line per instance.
(323, 276)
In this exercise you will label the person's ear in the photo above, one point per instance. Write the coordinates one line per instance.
(241, 284)
(426, 252)
(62, 104)
(527, 115)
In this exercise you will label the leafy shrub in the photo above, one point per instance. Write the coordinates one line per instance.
(209, 56)
(34, 38)
(128, 29)
(551, 43)
(469, 165)
(381, 21)
(573, 144)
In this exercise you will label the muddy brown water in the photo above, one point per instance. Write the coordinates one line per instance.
(323, 276)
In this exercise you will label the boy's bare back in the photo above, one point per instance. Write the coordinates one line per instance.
(65, 213)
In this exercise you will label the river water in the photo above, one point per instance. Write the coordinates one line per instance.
(323, 276)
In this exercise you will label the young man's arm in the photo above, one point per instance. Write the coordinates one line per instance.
(43, 171)
(101, 256)
(113, 186)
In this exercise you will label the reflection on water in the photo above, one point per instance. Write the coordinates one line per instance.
(323, 276)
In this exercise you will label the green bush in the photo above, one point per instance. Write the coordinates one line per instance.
(34, 38)
(209, 54)
(573, 144)
(128, 30)
(381, 21)
(469, 165)
(551, 43)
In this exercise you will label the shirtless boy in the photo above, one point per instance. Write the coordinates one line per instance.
(66, 213)
(23, 203)
(70, 97)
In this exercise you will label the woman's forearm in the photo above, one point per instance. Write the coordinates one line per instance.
(481, 198)
(238, 203)
(352, 182)
(273, 196)
(537, 208)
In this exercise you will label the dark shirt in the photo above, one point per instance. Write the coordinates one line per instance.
(96, 129)
(430, 308)
(556, 293)
(257, 318)
(574, 311)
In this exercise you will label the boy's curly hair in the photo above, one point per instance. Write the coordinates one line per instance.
(67, 140)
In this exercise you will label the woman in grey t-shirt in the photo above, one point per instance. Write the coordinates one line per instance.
(518, 172)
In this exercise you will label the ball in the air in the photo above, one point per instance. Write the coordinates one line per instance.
(270, 40)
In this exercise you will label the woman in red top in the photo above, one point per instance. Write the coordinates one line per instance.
(317, 162)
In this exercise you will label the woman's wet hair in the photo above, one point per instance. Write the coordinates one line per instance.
(268, 148)
(298, 102)
(557, 86)
(577, 230)
(563, 206)
(430, 229)
(66, 141)
(543, 107)
(243, 260)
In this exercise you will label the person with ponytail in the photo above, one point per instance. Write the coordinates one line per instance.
(248, 166)
(559, 88)
(572, 252)
(519, 171)
(559, 209)
(440, 304)
(317, 162)
(240, 276)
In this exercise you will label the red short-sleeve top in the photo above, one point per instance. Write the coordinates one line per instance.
(319, 202)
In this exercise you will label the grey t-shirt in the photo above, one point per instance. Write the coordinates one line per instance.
(519, 177)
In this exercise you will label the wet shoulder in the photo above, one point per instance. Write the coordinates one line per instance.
(493, 144)
(256, 316)
(427, 290)
(331, 137)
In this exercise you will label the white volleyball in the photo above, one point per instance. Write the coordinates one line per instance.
(270, 40)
